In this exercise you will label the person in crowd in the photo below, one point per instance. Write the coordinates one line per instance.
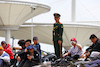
(94, 48)
(4, 58)
(20, 43)
(31, 57)
(37, 45)
(19, 55)
(57, 35)
(23, 44)
(75, 50)
(27, 42)
(95, 63)
(7, 49)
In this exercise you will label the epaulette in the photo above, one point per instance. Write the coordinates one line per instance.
(60, 23)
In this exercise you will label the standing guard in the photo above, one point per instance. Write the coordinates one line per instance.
(57, 35)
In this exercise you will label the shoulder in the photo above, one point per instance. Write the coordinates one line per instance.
(5, 54)
(60, 23)
(71, 47)
(98, 41)
(36, 52)
(79, 45)
(54, 23)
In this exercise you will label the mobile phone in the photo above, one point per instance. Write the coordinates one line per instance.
(28, 55)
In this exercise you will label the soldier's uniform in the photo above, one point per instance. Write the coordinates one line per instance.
(57, 35)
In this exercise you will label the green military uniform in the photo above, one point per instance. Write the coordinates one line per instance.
(57, 35)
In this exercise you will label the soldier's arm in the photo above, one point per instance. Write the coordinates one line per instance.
(53, 33)
(60, 31)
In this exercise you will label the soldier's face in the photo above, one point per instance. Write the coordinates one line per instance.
(56, 19)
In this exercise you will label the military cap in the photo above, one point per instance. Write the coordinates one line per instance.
(56, 15)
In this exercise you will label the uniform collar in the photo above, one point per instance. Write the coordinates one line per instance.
(57, 22)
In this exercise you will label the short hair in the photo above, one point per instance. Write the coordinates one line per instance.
(93, 36)
(21, 42)
(3, 42)
(28, 40)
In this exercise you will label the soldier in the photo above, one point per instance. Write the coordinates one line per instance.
(57, 35)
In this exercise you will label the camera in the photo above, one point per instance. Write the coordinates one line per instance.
(33, 7)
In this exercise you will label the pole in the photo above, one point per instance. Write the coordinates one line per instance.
(13, 43)
(7, 34)
(31, 26)
(73, 10)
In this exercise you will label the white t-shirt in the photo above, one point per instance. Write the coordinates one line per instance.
(75, 50)
(95, 54)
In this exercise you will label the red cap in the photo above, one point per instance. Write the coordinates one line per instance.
(72, 39)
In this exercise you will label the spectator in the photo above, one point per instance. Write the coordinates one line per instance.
(31, 58)
(75, 50)
(27, 43)
(7, 49)
(20, 43)
(4, 57)
(94, 47)
(18, 55)
(37, 45)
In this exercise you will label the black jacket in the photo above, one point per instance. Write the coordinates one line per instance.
(94, 47)
(35, 54)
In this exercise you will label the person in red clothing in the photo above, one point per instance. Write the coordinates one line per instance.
(7, 49)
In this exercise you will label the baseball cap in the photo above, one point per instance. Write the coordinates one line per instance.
(73, 39)
(3, 42)
(35, 38)
(31, 47)
(1, 48)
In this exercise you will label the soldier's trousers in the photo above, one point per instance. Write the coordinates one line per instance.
(58, 49)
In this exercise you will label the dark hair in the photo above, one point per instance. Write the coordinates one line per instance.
(21, 42)
(93, 36)
(28, 40)
(3, 42)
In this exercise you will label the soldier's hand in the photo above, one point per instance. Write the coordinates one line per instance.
(59, 42)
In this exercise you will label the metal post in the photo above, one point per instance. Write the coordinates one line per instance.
(73, 10)
(7, 36)
(31, 26)
(13, 43)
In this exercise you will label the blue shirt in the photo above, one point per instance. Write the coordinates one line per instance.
(37, 46)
